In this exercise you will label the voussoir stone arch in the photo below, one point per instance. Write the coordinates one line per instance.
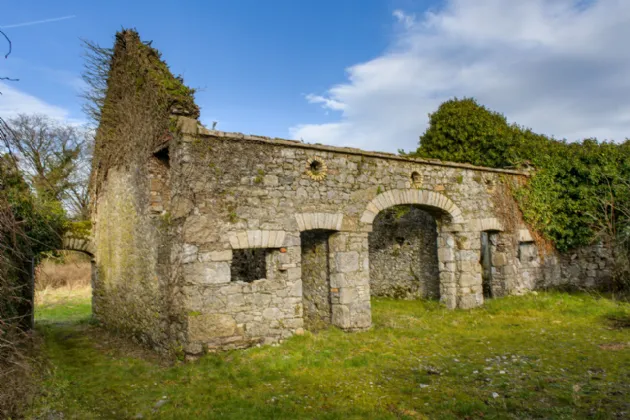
(71, 243)
(328, 221)
(244, 239)
(411, 196)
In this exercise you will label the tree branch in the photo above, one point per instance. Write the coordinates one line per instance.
(9, 41)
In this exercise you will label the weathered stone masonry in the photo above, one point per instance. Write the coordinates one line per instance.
(233, 192)
(403, 254)
(206, 240)
(268, 237)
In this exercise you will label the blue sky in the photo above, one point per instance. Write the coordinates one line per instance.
(360, 73)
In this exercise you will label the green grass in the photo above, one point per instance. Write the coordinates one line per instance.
(551, 356)
(74, 310)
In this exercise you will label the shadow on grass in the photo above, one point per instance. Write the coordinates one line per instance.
(619, 320)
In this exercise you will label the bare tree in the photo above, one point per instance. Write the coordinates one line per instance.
(613, 227)
(54, 158)
(7, 56)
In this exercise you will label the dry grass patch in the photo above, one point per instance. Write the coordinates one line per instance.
(63, 279)
(71, 270)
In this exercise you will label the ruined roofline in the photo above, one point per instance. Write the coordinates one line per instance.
(192, 127)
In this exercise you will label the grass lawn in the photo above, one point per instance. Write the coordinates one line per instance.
(551, 356)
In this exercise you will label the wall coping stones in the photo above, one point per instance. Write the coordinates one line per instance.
(411, 196)
(190, 126)
(244, 239)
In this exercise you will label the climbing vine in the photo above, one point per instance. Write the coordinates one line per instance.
(560, 201)
(133, 96)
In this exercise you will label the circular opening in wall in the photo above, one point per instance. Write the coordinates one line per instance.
(316, 166)
(316, 169)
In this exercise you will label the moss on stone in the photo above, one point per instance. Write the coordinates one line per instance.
(80, 229)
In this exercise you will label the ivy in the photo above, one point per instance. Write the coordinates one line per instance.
(562, 200)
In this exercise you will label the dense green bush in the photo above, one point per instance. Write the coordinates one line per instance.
(572, 185)
(28, 226)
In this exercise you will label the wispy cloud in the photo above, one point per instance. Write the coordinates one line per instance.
(14, 101)
(63, 77)
(406, 20)
(326, 102)
(557, 66)
(37, 22)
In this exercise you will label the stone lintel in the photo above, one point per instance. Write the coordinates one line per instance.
(327, 221)
(245, 239)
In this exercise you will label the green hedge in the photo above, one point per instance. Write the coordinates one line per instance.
(563, 199)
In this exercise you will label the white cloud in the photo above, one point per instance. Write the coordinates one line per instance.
(406, 20)
(326, 102)
(557, 66)
(14, 101)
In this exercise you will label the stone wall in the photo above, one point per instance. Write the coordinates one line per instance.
(132, 292)
(242, 240)
(231, 192)
(403, 254)
(504, 265)
(234, 314)
(587, 267)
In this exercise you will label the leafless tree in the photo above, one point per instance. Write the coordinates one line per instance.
(613, 227)
(54, 158)
(7, 55)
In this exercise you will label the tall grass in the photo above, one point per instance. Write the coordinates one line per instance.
(71, 270)
(58, 278)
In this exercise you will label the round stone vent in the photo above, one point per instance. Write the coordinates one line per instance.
(316, 169)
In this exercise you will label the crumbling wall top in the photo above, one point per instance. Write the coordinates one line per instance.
(189, 126)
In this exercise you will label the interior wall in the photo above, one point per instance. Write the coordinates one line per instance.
(486, 264)
(403, 254)
(315, 279)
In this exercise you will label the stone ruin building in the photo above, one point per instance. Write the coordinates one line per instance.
(214, 240)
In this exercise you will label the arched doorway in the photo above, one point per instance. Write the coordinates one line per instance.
(458, 253)
(72, 269)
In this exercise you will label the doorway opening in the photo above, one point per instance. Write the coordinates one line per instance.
(316, 302)
(403, 254)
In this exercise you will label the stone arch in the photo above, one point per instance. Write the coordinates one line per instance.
(84, 245)
(411, 196)
(68, 243)
(459, 270)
